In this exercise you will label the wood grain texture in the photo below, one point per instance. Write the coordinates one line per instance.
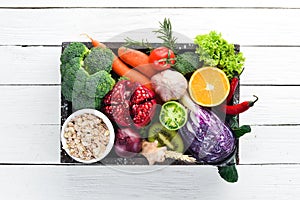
(30, 105)
(52, 26)
(25, 143)
(276, 105)
(270, 145)
(29, 65)
(153, 3)
(29, 50)
(271, 65)
(94, 182)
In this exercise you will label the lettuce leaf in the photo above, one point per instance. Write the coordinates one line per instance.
(213, 50)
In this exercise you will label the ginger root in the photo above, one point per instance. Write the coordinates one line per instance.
(152, 152)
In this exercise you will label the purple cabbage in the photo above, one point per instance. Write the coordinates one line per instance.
(209, 139)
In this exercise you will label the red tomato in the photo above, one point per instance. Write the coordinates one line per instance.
(162, 58)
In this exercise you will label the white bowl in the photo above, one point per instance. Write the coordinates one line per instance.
(105, 120)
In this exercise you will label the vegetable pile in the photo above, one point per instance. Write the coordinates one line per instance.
(146, 96)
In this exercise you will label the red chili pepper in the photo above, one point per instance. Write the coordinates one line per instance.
(233, 85)
(238, 108)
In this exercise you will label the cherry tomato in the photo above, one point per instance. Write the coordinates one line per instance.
(162, 58)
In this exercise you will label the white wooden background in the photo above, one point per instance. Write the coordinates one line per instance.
(30, 36)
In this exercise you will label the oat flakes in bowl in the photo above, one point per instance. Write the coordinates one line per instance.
(87, 136)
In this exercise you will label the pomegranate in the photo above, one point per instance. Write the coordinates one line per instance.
(130, 103)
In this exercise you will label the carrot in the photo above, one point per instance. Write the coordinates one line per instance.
(122, 69)
(95, 43)
(137, 59)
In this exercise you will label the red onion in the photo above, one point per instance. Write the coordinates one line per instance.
(128, 143)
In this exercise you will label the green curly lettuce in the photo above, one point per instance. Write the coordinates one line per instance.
(213, 50)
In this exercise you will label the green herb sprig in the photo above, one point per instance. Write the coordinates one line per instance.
(165, 33)
(134, 43)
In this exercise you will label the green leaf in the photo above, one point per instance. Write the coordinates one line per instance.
(214, 50)
(229, 173)
(234, 123)
(239, 132)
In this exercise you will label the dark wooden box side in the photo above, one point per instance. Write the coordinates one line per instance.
(112, 159)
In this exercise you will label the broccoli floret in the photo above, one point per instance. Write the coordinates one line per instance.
(98, 59)
(72, 73)
(99, 84)
(76, 63)
(81, 101)
(74, 49)
(79, 98)
(187, 62)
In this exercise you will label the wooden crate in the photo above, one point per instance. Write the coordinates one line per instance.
(112, 158)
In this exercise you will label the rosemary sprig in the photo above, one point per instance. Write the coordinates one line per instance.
(133, 43)
(165, 33)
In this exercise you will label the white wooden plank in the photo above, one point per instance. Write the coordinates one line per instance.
(23, 143)
(270, 144)
(29, 65)
(276, 105)
(30, 105)
(153, 3)
(52, 26)
(181, 182)
(271, 65)
(40, 65)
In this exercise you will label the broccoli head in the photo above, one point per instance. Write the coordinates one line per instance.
(98, 59)
(84, 88)
(73, 50)
(187, 62)
(99, 84)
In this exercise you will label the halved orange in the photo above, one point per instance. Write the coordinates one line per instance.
(209, 86)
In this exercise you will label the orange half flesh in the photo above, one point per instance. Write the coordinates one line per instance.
(209, 86)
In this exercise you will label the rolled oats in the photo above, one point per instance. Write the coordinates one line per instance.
(87, 136)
